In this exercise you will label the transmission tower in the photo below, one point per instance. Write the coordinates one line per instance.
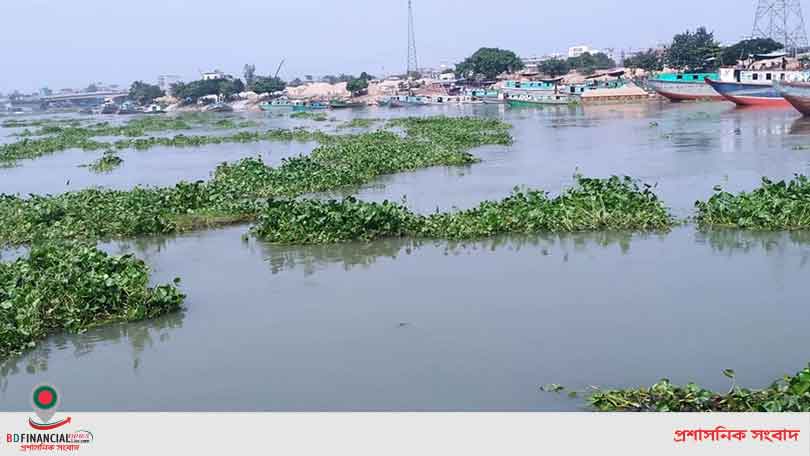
(413, 64)
(782, 21)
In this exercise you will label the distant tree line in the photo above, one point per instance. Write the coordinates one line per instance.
(143, 93)
(698, 50)
(586, 63)
(488, 63)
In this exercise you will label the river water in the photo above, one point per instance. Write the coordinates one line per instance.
(412, 325)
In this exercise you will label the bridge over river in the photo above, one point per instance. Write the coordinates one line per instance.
(87, 96)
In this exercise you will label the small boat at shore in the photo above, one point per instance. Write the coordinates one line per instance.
(108, 108)
(345, 104)
(154, 109)
(281, 103)
(400, 101)
(311, 106)
(524, 100)
(795, 93)
(218, 107)
(128, 108)
(685, 86)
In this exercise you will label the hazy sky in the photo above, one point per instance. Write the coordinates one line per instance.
(69, 43)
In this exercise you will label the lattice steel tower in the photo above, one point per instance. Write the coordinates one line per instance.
(413, 64)
(782, 21)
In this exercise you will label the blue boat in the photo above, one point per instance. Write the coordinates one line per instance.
(311, 106)
(753, 87)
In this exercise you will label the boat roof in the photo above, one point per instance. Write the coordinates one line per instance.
(770, 55)
(614, 74)
(553, 80)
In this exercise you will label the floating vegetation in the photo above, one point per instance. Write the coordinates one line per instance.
(231, 124)
(591, 205)
(54, 136)
(236, 193)
(80, 139)
(133, 128)
(359, 123)
(594, 204)
(32, 148)
(106, 163)
(74, 287)
(773, 206)
(241, 137)
(325, 222)
(464, 132)
(20, 123)
(790, 394)
(316, 116)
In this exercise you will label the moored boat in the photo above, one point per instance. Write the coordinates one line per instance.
(311, 106)
(685, 86)
(344, 104)
(523, 100)
(753, 87)
(128, 107)
(154, 108)
(747, 94)
(399, 101)
(218, 107)
(108, 108)
(795, 93)
(281, 103)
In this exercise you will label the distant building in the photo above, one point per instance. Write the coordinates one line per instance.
(166, 81)
(213, 75)
(443, 73)
(532, 64)
(576, 51)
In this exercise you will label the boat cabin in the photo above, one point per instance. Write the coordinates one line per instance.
(685, 77)
(764, 77)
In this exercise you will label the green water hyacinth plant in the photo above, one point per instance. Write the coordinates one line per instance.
(773, 206)
(616, 203)
(593, 204)
(74, 287)
(316, 116)
(105, 164)
(325, 222)
(790, 394)
(459, 132)
(236, 193)
(358, 122)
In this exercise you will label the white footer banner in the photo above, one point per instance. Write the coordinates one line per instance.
(404, 434)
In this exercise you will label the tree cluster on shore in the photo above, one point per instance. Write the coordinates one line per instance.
(699, 50)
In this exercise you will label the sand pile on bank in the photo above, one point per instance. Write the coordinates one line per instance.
(629, 90)
(319, 90)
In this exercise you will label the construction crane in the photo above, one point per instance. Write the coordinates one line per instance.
(278, 70)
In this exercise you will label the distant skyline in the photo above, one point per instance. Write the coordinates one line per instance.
(62, 44)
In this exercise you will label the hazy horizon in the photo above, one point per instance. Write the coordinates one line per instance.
(57, 45)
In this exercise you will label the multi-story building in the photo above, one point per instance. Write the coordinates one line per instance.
(576, 51)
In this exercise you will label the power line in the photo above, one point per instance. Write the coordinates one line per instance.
(413, 63)
(782, 21)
